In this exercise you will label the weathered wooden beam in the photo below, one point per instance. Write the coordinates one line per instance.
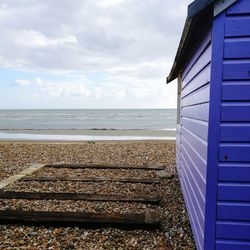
(16, 177)
(100, 166)
(80, 217)
(92, 179)
(77, 196)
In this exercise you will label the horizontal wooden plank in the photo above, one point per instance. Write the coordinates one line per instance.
(237, 26)
(99, 166)
(197, 222)
(80, 217)
(235, 112)
(240, 7)
(178, 140)
(237, 48)
(199, 128)
(236, 91)
(199, 112)
(196, 157)
(198, 200)
(92, 179)
(235, 132)
(233, 230)
(199, 65)
(197, 97)
(77, 196)
(236, 70)
(232, 245)
(235, 152)
(197, 143)
(233, 192)
(195, 174)
(234, 172)
(198, 235)
(178, 151)
(233, 211)
(201, 79)
(178, 128)
(16, 177)
(198, 52)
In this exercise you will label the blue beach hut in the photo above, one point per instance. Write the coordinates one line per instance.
(213, 131)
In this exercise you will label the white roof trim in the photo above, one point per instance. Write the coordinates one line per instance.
(221, 5)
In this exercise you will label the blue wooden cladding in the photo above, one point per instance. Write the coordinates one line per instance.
(213, 134)
(194, 134)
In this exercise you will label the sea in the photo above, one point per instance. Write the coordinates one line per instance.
(87, 124)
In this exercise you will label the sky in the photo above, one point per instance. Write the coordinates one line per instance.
(88, 53)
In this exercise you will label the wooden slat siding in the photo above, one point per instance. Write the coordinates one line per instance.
(178, 155)
(178, 149)
(233, 211)
(199, 112)
(234, 192)
(237, 26)
(234, 172)
(198, 200)
(232, 152)
(235, 132)
(240, 7)
(236, 91)
(193, 136)
(235, 112)
(233, 195)
(232, 245)
(198, 53)
(198, 232)
(200, 80)
(195, 157)
(193, 221)
(213, 130)
(197, 97)
(237, 48)
(197, 143)
(233, 230)
(198, 67)
(236, 70)
(195, 176)
(178, 135)
(195, 126)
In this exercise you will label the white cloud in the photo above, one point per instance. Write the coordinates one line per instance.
(21, 82)
(65, 90)
(109, 3)
(88, 34)
(133, 43)
(26, 82)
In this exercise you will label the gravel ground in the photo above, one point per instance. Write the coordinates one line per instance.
(175, 233)
(135, 189)
(16, 156)
(119, 173)
(78, 206)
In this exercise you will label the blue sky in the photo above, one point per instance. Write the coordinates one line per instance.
(88, 54)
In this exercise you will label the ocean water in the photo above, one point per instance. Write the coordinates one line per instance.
(84, 125)
(148, 119)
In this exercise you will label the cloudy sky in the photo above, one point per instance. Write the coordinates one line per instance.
(88, 53)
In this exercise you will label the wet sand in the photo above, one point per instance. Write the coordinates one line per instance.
(85, 135)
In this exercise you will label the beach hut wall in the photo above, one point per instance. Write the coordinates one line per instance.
(212, 66)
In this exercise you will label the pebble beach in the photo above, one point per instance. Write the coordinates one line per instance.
(175, 232)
